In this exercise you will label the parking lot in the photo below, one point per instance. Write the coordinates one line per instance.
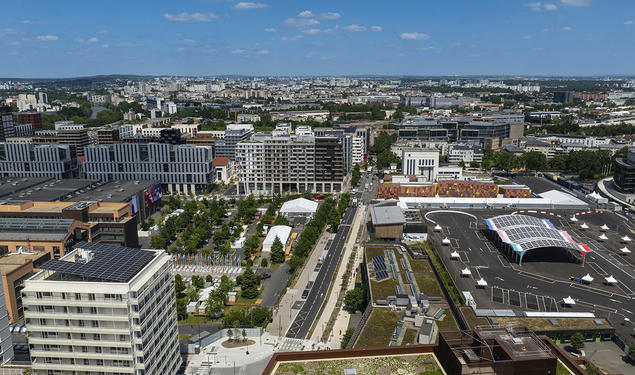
(538, 284)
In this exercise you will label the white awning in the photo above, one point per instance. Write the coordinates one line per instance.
(574, 219)
(437, 228)
(588, 278)
(454, 255)
(625, 250)
(610, 280)
(466, 271)
(604, 227)
(481, 282)
(568, 301)
(626, 239)
(446, 241)
(603, 237)
(584, 226)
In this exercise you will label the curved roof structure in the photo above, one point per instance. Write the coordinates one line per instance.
(524, 233)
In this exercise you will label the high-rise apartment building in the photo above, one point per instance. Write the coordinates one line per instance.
(181, 168)
(28, 160)
(33, 118)
(103, 309)
(234, 133)
(272, 164)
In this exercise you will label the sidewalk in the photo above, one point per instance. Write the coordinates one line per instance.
(331, 303)
(286, 309)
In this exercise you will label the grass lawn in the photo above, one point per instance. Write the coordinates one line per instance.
(410, 337)
(428, 284)
(373, 251)
(378, 328)
(411, 364)
(448, 323)
(420, 265)
(384, 288)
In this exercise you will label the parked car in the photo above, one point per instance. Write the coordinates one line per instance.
(265, 276)
(305, 293)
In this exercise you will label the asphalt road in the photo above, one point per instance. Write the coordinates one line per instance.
(317, 295)
(515, 287)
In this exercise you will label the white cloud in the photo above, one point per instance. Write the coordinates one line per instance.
(5, 32)
(47, 38)
(538, 6)
(575, 3)
(92, 40)
(239, 51)
(567, 28)
(376, 28)
(311, 31)
(32, 22)
(306, 14)
(527, 37)
(401, 54)
(629, 22)
(105, 46)
(189, 41)
(301, 22)
(15, 43)
(12, 53)
(427, 48)
(262, 52)
(414, 36)
(291, 38)
(354, 28)
(551, 30)
(190, 17)
(550, 7)
(180, 49)
(270, 30)
(330, 15)
(244, 5)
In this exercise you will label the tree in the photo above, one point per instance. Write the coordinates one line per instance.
(631, 351)
(534, 160)
(158, 242)
(354, 299)
(144, 225)
(264, 263)
(244, 334)
(356, 175)
(249, 283)
(386, 158)
(198, 282)
(281, 220)
(230, 334)
(347, 337)
(277, 251)
(577, 340)
(179, 284)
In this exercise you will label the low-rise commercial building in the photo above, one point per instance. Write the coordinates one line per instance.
(387, 220)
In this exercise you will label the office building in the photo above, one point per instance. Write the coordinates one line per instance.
(28, 160)
(562, 97)
(420, 162)
(171, 136)
(234, 133)
(624, 176)
(33, 118)
(272, 164)
(72, 134)
(103, 309)
(6, 120)
(95, 222)
(466, 153)
(6, 343)
(184, 169)
(108, 136)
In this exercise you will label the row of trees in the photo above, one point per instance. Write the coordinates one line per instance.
(311, 233)
(356, 175)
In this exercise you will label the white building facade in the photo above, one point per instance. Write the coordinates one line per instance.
(420, 162)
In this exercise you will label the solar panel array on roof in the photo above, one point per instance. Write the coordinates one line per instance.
(381, 275)
(109, 262)
(506, 222)
(395, 272)
(379, 263)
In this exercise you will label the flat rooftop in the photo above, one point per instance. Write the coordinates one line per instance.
(10, 185)
(13, 261)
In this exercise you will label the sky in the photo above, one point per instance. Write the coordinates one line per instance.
(69, 38)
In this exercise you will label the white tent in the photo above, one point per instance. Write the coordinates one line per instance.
(626, 239)
(625, 250)
(299, 207)
(568, 301)
(280, 231)
(587, 278)
(604, 228)
(584, 226)
(610, 280)
(574, 219)
(466, 272)
(603, 237)
(437, 228)
(481, 282)
(446, 241)
(455, 255)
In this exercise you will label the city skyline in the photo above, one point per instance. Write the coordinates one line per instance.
(285, 38)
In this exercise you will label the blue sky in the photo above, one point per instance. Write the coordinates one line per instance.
(283, 37)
